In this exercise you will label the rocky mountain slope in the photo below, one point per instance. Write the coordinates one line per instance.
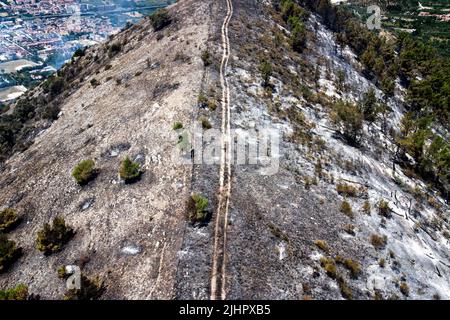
(146, 88)
(336, 220)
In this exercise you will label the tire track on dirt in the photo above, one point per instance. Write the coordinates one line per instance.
(218, 275)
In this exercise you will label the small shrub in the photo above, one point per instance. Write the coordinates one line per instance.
(322, 244)
(266, 72)
(347, 209)
(306, 288)
(160, 19)
(84, 172)
(346, 190)
(308, 182)
(379, 242)
(340, 75)
(391, 254)
(182, 57)
(383, 222)
(206, 58)
(404, 289)
(353, 266)
(79, 52)
(19, 292)
(212, 104)
(8, 219)
(382, 262)
(202, 100)
(318, 169)
(51, 239)
(62, 273)
(177, 126)
(418, 193)
(55, 85)
(129, 171)
(384, 209)
(398, 181)
(298, 34)
(348, 120)
(366, 207)
(9, 252)
(50, 112)
(197, 208)
(205, 123)
(94, 83)
(435, 223)
(278, 233)
(345, 289)
(114, 49)
(329, 266)
(434, 203)
(90, 289)
(350, 229)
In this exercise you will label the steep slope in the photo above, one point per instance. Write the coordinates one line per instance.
(276, 220)
(306, 229)
(151, 84)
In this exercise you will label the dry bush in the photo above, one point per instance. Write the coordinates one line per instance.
(322, 244)
(379, 242)
(347, 190)
(346, 209)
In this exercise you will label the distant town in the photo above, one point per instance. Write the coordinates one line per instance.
(38, 36)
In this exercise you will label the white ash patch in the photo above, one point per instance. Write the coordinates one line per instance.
(281, 248)
(131, 250)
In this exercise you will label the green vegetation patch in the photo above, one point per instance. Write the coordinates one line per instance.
(206, 58)
(129, 171)
(294, 16)
(9, 252)
(266, 72)
(197, 205)
(160, 19)
(8, 219)
(348, 121)
(177, 125)
(51, 239)
(19, 292)
(84, 172)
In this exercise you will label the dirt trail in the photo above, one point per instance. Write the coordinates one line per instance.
(218, 276)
